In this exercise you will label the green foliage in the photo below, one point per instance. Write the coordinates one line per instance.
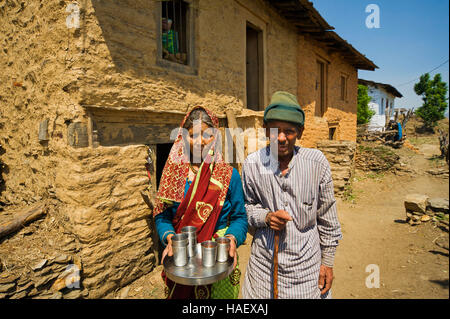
(364, 113)
(349, 195)
(434, 99)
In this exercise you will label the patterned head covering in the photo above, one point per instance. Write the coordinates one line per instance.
(176, 169)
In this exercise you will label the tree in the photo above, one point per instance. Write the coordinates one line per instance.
(364, 113)
(434, 99)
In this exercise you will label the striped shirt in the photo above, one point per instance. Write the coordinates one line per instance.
(309, 240)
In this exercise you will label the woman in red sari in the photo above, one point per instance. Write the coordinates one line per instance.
(199, 189)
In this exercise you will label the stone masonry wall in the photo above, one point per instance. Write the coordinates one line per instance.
(38, 63)
(341, 156)
(106, 214)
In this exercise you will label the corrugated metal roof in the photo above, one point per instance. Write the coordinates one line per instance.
(389, 88)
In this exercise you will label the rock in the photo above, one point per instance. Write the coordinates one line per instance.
(138, 289)
(74, 294)
(425, 218)
(7, 287)
(439, 205)
(414, 223)
(438, 172)
(28, 286)
(39, 265)
(63, 259)
(59, 284)
(416, 203)
(42, 281)
(20, 295)
(124, 292)
(56, 295)
(415, 218)
(8, 278)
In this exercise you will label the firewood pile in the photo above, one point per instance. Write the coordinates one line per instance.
(388, 136)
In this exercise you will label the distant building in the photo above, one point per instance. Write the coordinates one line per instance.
(383, 97)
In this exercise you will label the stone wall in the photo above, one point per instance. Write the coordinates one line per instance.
(38, 61)
(340, 113)
(106, 213)
(341, 155)
(42, 259)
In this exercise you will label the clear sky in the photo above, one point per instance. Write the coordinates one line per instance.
(413, 38)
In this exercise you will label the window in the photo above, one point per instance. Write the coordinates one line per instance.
(174, 31)
(382, 106)
(176, 21)
(343, 87)
(332, 133)
(254, 64)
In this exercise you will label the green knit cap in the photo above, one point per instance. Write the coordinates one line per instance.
(284, 107)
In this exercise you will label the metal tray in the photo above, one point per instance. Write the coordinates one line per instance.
(194, 273)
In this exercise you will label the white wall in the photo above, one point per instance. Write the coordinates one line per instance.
(378, 104)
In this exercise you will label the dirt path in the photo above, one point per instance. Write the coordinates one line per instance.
(410, 264)
(374, 233)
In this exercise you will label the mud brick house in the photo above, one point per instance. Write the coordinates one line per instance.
(88, 87)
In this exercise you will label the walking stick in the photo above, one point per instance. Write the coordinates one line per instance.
(275, 265)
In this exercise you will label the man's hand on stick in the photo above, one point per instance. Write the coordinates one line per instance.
(277, 220)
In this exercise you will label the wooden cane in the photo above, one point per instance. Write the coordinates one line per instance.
(275, 265)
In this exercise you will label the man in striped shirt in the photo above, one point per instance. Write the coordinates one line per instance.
(289, 191)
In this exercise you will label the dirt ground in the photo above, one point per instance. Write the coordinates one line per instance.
(410, 263)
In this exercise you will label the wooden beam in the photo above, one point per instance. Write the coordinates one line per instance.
(29, 215)
(232, 123)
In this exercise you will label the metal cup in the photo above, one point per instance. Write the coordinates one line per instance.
(191, 232)
(223, 249)
(179, 247)
(209, 253)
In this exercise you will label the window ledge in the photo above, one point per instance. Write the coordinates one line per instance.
(177, 67)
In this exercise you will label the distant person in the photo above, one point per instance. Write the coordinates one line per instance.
(289, 197)
(169, 38)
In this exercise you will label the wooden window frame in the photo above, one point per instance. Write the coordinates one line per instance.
(191, 66)
(344, 91)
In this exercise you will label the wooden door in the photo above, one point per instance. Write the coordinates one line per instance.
(253, 69)
(320, 89)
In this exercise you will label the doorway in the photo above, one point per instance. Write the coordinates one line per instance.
(254, 71)
(162, 153)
